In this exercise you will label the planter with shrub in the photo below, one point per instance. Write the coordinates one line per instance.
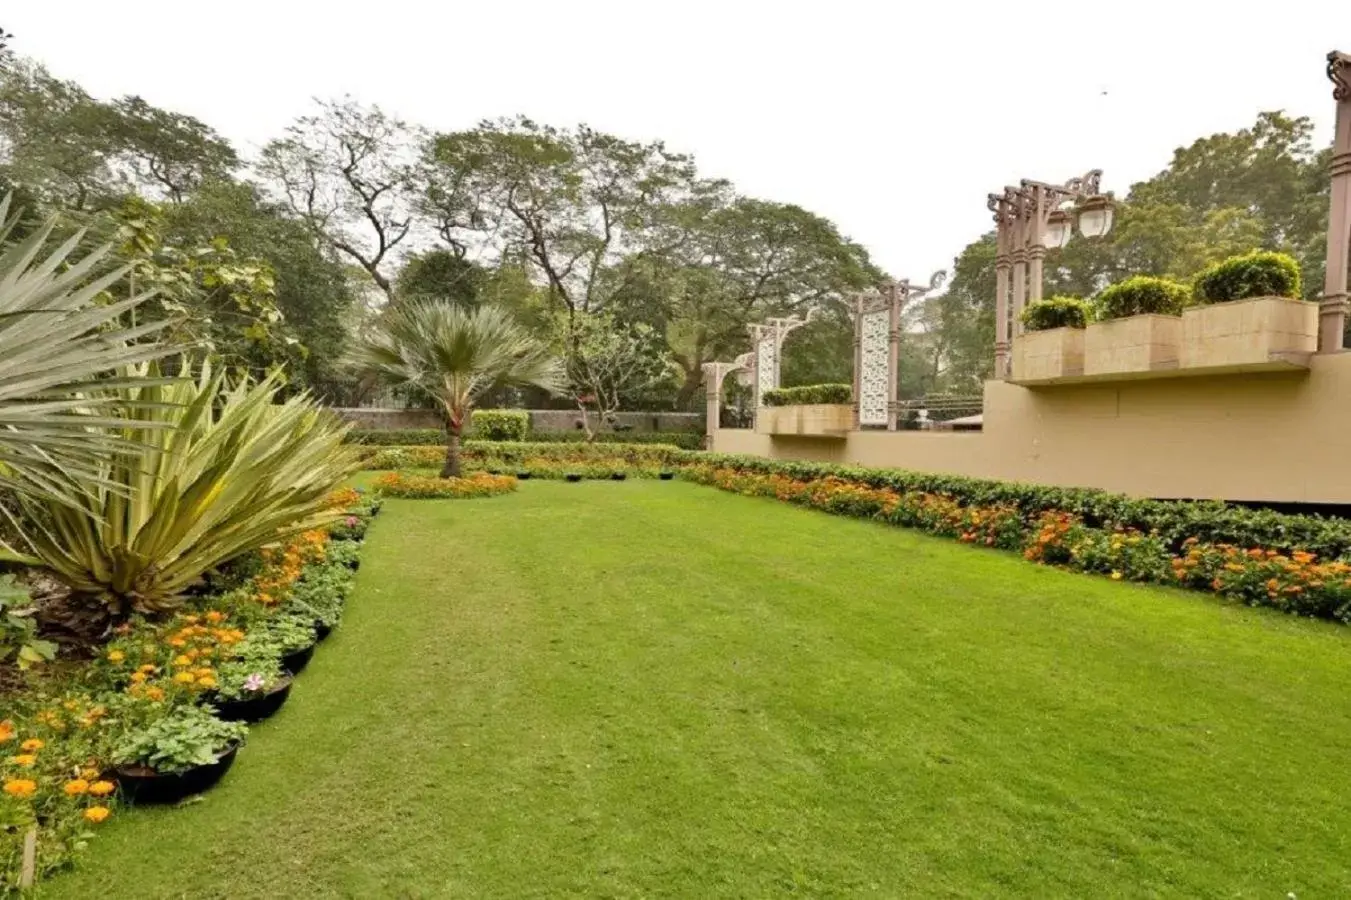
(1052, 347)
(813, 410)
(1248, 313)
(251, 690)
(181, 754)
(1139, 327)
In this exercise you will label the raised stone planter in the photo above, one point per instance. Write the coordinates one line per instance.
(1249, 333)
(1048, 355)
(1136, 345)
(809, 420)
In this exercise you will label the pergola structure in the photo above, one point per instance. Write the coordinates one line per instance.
(767, 342)
(1333, 304)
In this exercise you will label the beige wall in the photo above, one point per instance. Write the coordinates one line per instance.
(1267, 437)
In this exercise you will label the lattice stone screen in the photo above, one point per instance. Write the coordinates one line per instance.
(765, 367)
(874, 367)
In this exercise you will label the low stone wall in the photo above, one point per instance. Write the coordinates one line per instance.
(1264, 437)
(540, 419)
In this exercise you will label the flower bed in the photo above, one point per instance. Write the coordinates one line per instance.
(144, 707)
(1295, 581)
(510, 455)
(411, 485)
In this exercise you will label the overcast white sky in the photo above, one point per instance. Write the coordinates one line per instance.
(893, 119)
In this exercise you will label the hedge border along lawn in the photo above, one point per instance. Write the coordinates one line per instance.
(423, 437)
(487, 454)
(1296, 582)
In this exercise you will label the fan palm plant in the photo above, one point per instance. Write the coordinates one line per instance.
(455, 355)
(229, 470)
(56, 343)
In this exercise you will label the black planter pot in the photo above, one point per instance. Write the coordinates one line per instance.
(322, 629)
(666, 476)
(522, 476)
(142, 784)
(573, 477)
(255, 709)
(296, 662)
(494, 471)
(354, 563)
(618, 476)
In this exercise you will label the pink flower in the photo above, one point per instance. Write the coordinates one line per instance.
(351, 521)
(254, 682)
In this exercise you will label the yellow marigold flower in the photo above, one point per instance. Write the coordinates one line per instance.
(215, 616)
(177, 642)
(21, 787)
(192, 620)
(116, 656)
(204, 673)
(71, 705)
(75, 788)
(182, 659)
(148, 668)
(23, 759)
(89, 773)
(1116, 576)
(31, 745)
(184, 678)
(154, 693)
(206, 681)
(137, 677)
(102, 788)
(97, 814)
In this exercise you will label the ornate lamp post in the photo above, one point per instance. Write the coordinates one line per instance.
(1029, 219)
(877, 349)
(1333, 304)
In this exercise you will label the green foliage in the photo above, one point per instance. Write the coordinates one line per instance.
(253, 671)
(441, 275)
(512, 454)
(18, 632)
(455, 355)
(187, 737)
(1255, 274)
(219, 469)
(1140, 295)
(1174, 521)
(500, 424)
(414, 437)
(397, 437)
(56, 343)
(411, 485)
(807, 394)
(1057, 312)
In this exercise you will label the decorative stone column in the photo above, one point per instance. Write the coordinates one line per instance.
(999, 205)
(1333, 304)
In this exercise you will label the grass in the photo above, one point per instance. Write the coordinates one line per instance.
(653, 689)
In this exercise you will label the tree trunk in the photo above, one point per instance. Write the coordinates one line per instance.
(452, 467)
(689, 387)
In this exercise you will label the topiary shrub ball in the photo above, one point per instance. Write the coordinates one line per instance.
(1261, 273)
(1142, 295)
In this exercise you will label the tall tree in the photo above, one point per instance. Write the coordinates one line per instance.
(164, 152)
(349, 173)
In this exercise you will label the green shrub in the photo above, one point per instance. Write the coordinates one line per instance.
(1057, 312)
(1175, 521)
(480, 454)
(1141, 294)
(1258, 274)
(397, 437)
(808, 393)
(499, 424)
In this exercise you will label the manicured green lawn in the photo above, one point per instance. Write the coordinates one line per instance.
(656, 689)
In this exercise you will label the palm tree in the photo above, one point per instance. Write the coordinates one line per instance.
(57, 343)
(455, 355)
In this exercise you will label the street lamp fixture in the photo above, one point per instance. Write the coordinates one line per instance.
(1095, 216)
(1059, 228)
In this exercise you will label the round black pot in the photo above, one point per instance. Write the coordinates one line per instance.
(573, 477)
(142, 784)
(322, 629)
(255, 709)
(523, 476)
(666, 476)
(354, 563)
(494, 471)
(296, 662)
(618, 476)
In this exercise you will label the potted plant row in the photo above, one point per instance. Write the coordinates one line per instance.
(1241, 313)
(181, 754)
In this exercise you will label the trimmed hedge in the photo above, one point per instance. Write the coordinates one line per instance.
(507, 454)
(1174, 521)
(807, 394)
(1057, 312)
(431, 437)
(411, 485)
(1141, 294)
(1261, 273)
(499, 424)
(1296, 581)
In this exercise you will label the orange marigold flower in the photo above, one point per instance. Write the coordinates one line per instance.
(215, 616)
(97, 814)
(154, 693)
(75, 788)
(23, 759)
(138, 677)
(102, 788)
(31, 745)
(184, 677)
(6, 731)
(21, 787)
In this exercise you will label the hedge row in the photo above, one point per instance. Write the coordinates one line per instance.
(505, 454)
(1296, 582)
(423, 437)
(808, 393)
(1174, 521)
